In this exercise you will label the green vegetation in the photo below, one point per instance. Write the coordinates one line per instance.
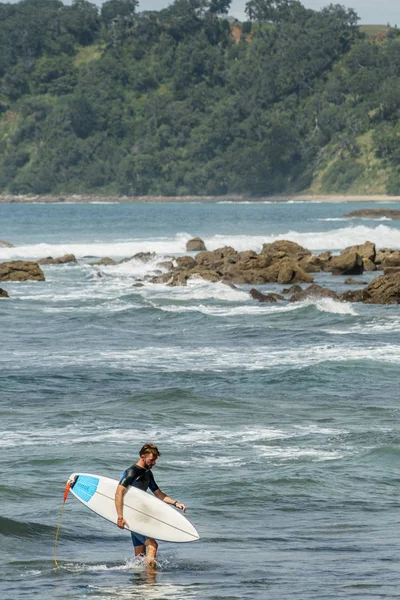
(181, 102)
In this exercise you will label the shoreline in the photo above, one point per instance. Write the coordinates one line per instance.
(87, 199)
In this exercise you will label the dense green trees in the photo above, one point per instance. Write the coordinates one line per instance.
(113, 100)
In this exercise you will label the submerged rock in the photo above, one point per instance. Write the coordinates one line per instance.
(20, 270)
(271, 298)
(351, 281)
(143, 256)
(61, 260)
(106, 261)
(4, 244)
(3, 293)
(315, 292)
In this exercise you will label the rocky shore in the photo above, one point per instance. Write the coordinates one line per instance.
(280, 263)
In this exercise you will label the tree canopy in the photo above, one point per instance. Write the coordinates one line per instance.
(186, 101)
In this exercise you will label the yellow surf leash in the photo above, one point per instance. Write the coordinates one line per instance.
(67, 487)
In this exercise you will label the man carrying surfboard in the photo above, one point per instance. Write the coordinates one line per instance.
(139, 475)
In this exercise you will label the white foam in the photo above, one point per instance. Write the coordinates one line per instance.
(337, 239)
(211, 359)
(118, 249)
(313, 454)
(328, 305)
(332, 306)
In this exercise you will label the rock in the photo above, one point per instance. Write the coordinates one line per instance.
(384, 289)
(186, 262)
(19, 270)
(61, 260)
(347, 263)
(351, 296)
(351, 281)
(313, 292)
(106, 261)
(366, 251)
(195, 245)
(373, 213)
(290, 272)
(391, 270)
(138, 285)
(207, 275)
(368, 265)
(312, 264)
(391, 260)
(284, 248)
(4, 244)
(166, 264)
(257, 295)
(3, 293)
(216, 258)
(143, 256)
(294, 289)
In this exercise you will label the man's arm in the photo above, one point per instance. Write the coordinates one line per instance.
(119, 505)
(161, 496)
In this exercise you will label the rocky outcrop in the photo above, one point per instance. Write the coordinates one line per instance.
(228, 265)
(61, 260)
(373, 213)
(4, 244)
(19, 270)
(3, 293)
(313, 292)
(271, 298)
(195, 245)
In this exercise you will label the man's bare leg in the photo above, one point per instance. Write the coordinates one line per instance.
(140, 550)
(152, 547)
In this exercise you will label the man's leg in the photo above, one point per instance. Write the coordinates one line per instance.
(140, 550)
(152, 547)
(138, 542)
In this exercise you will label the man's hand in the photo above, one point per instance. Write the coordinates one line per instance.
(121, 523)
(180, 505)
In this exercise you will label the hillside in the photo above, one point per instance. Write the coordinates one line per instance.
(181, 101)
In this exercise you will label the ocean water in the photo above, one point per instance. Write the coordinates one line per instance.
(278, 424)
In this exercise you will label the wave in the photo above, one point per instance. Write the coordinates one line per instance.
(185, 436)
(325, 305)
(20, 529)
(211, 359)
(335, 240)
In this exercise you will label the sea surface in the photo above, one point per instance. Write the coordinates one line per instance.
(278, 424)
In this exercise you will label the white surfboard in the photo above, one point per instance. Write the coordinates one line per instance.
(144, 513)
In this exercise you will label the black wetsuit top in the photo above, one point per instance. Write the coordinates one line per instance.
(139, 478)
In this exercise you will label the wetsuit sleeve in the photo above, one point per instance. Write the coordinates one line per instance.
(152, 483)
(128, 477)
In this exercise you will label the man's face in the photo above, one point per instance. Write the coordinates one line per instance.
(149, 460)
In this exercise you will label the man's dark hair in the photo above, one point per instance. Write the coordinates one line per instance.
(150, 449)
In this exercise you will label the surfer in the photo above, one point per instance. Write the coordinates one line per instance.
(139, 475)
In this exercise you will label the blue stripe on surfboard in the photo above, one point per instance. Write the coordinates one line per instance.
(85, 487)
